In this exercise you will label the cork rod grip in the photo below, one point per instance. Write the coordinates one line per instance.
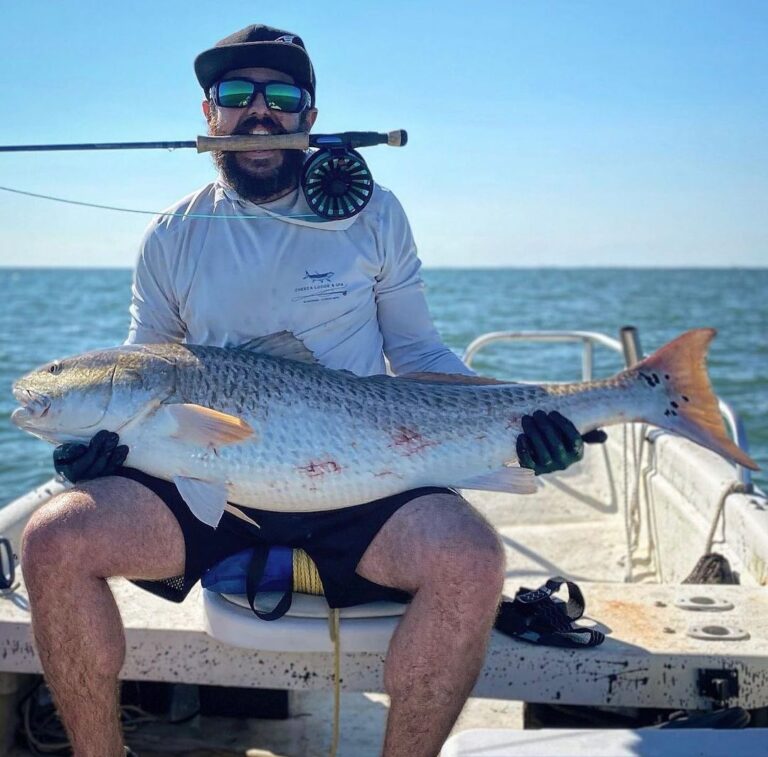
(243, 143)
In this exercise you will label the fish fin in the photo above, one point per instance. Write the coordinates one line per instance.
(514, 480)
(451, 378)
(687, 404)
(206, 499)
(205, 426)
(280, 344)
(238, 513)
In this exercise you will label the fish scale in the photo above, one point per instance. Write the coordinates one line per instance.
(264, 431)
(325, 439)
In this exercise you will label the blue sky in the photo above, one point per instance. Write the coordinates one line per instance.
(541, 133)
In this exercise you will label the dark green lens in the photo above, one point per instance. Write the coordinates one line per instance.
(285, 97)
(235, 93)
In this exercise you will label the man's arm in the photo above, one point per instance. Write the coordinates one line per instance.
(154, 309)
(411, 341)
(550, 442)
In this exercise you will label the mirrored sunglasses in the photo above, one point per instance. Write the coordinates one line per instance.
(240, 93)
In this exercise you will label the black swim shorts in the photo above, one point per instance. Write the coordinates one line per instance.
(335, 540)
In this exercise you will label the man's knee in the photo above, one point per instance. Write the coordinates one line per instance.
(477, 568)
(465, 551)
(111, 526)
(57, 533)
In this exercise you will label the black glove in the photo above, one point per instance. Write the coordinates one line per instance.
(550, 442)
(101, 457)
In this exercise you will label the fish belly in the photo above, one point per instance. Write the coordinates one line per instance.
(303, 463)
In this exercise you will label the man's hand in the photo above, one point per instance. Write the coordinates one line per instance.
(101, 457)
(550, 442)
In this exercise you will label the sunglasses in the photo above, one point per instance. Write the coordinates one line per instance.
(240, 93)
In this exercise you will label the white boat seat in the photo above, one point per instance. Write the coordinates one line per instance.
(304, 628)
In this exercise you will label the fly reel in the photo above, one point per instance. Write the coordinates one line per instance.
(337, 183)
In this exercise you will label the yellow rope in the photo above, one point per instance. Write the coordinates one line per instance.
(333, 622)
(306, 580)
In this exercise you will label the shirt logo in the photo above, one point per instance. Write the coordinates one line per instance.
(318, 276)
(319, 287)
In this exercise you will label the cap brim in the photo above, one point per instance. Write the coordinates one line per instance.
(213, 64)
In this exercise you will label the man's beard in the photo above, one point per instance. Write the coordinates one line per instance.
(265, 187)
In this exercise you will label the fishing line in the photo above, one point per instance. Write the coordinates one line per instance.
(151, 212)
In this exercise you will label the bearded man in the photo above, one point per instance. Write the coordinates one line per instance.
(232, 261)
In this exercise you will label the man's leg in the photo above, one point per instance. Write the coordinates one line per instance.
(107, 527)
(442, 550)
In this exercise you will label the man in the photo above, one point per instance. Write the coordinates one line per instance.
(227, 263)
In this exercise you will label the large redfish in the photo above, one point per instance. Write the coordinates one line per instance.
(265, 426)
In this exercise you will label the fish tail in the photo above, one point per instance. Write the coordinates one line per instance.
(685, 402)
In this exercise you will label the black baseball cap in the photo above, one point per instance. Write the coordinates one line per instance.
(257, 45)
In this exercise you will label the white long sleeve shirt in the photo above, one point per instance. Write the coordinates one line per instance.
(218, 270)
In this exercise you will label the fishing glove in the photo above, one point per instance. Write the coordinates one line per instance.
(550, 442)
(102, 456)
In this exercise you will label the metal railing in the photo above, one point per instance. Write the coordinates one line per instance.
(589, 340)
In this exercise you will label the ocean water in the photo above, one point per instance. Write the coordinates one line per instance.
(46, 313)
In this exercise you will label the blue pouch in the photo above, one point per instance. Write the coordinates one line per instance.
(266, 569)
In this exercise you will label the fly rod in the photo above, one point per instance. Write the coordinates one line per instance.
(240, 143)
(335, 179)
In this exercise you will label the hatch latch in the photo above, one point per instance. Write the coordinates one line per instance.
(718, 684)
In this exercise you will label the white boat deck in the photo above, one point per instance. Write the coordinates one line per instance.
(647, 660)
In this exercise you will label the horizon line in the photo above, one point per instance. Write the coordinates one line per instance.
(430, 267)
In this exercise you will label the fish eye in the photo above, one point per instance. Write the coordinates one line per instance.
(55, 367)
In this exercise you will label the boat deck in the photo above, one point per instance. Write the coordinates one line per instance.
(306, 733)
(647, 660)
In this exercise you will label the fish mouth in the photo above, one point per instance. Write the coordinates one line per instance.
(34, 406)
